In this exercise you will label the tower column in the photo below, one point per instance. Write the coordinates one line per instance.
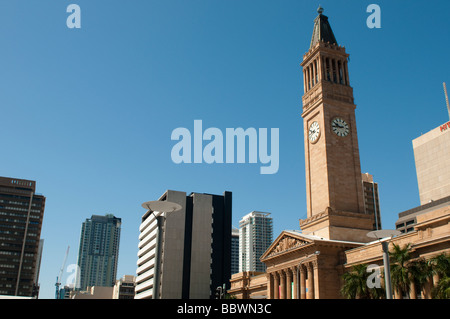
(327, 69)
(305, 85)
(314, 66)
(335, 77)
(320, 68)
(309, 77)
(346, 72)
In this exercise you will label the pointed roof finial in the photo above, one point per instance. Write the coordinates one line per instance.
(322, 30)
(320, 9)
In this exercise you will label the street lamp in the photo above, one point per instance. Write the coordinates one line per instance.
(164, 207)
(316, 253)
(380, 234)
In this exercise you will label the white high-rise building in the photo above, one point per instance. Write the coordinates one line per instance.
(185, 254)
(255, 236)
(432, 158)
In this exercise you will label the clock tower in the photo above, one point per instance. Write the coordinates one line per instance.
(335, 204)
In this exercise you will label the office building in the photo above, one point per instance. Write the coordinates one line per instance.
(124, 287)
(432, 158)
(187, 253)
(234, 250)
(371, 199)
(255, 236)
(21, 216)
(99, 251)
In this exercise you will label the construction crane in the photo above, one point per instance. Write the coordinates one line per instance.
(446, 99)
(58, 279)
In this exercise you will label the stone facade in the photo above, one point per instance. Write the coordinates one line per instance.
(248, 285)
(304, 266)
(431, 237)
(292, 261)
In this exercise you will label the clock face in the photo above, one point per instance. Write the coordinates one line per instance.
(314, 131)
(340, 127)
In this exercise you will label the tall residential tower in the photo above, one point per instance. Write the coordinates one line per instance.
(255, 236)
(99, 251)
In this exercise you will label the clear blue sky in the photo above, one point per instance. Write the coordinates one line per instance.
(89, 113)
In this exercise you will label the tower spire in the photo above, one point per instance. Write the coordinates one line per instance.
(322, 29)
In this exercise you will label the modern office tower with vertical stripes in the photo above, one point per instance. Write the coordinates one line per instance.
(99, 251)
(255, 236)
(185, 254)
(21, 216)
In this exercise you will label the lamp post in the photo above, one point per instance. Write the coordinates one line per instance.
(380, 234)
(316, 253)
(164, 207)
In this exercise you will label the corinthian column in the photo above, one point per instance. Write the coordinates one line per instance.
(310, 282)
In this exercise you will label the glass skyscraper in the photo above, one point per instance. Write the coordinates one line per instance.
(99, 251)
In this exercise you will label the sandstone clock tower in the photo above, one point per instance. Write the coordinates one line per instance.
(335, 207)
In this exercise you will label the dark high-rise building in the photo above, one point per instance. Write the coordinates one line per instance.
(234, 250)
(21, 215)
(371, 199)
(99, 251)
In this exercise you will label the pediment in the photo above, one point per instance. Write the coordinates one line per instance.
(286, 241)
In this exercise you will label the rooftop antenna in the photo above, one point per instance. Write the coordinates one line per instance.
(446, 99)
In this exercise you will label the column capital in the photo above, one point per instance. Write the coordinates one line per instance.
(289, 272)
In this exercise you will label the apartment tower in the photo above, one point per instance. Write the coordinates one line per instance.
(99, 251)
(255, 236)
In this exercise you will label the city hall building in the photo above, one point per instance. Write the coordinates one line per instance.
(309, 264)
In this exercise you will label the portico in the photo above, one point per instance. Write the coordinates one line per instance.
(304, 266)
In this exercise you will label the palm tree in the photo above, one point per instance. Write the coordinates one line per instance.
(400, 269)
(442, 290)
(355, 283)
(441, 267)
(421, 271)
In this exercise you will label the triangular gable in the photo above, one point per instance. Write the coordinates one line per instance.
(286, 241)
